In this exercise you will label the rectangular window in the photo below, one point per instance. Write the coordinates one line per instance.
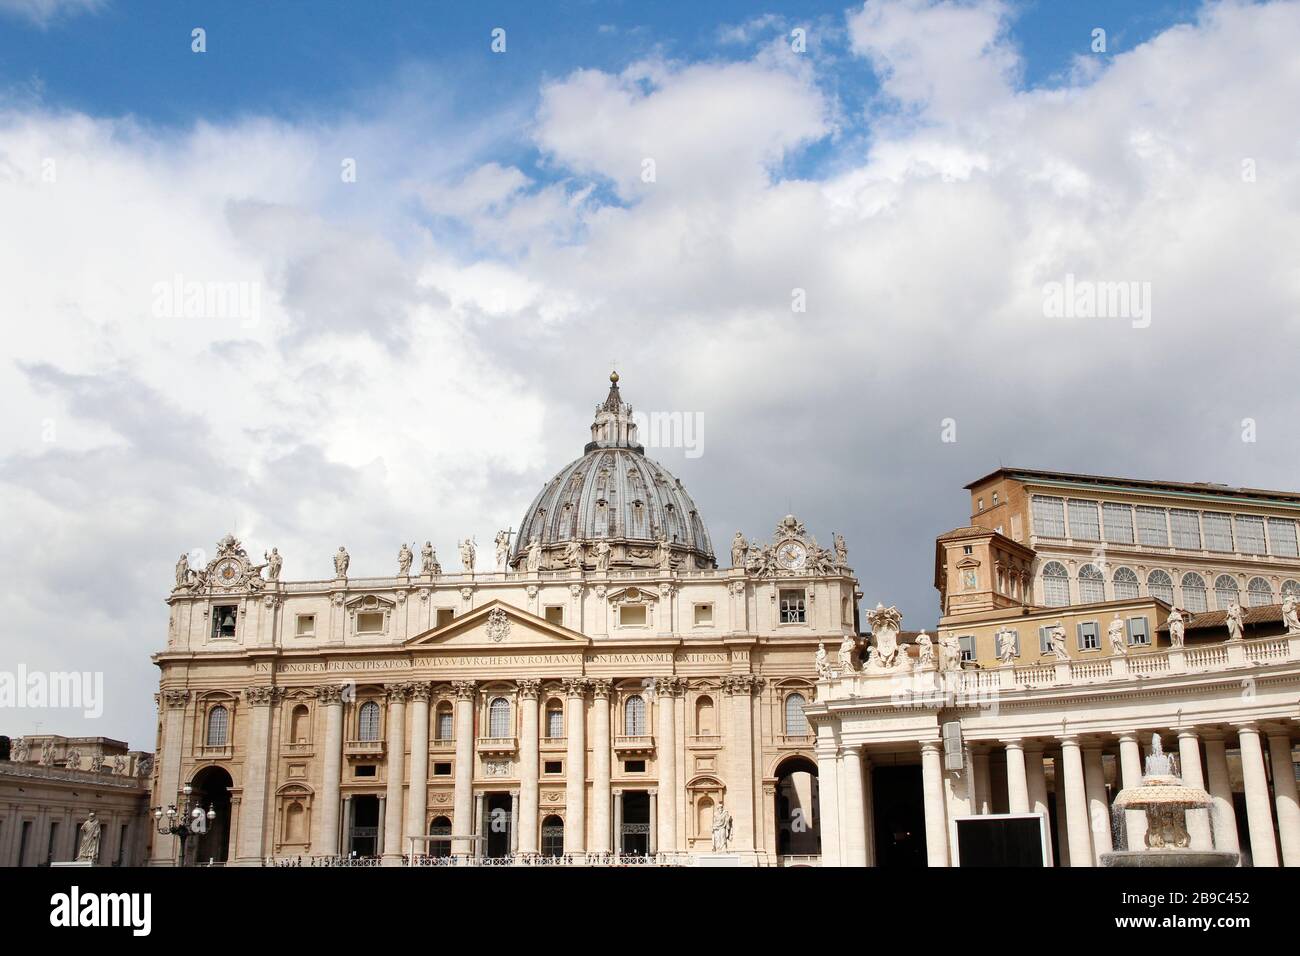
(555, 614)
(555, 723)
(1281, 537)
(442, 769)
(442, 725)
(553, 766)
(792, 606)
(1137, 631)
(445, 616)
(1218, 531)
(1049, 517)
(364, 770)
(1186, 526)
(634, 766)
(1089, 635)
(370, 622)
(631, 615)
(1084, 524)
(1153, 527)
(306, 626)
(967, 647)
(1119, 522)
(223, 621)
(704, 615)
(1250, 534)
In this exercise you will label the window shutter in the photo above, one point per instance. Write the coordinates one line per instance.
(1078, 628)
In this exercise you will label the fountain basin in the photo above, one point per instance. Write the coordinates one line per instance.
(1169, 857)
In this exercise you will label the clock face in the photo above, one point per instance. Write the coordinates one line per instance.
(791, 555)
(227, 572)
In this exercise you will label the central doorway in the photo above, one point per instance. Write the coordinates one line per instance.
(635, 838)
(498, 824)
(899, 810)
(363, 839)
(212, 791)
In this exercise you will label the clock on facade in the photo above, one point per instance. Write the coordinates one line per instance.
(791, 555)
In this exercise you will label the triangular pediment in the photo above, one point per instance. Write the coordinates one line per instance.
(482, 627)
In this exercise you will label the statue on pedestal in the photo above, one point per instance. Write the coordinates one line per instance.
(721, 828)
(924, 649)
(404, 558)
(845, 657)
(739, 548)
(1236, 625)
(1176, 627)
(885, 651)
(88, 851)
(341, 561)
(603, 554)
(823, 662)
(949, 653)
(503, 549)
(534, 554)
(273, 564)
(183, 571)
(429, 560)
(1290, 615)
(1058, 642)
(574, 554)
(1115, 631)
(841, 551)
(1007, 645)
(467, 555)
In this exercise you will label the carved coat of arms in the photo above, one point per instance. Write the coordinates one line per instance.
(498, 625)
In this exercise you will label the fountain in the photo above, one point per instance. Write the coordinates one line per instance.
(1166, 800)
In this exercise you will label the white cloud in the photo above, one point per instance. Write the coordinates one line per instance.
(44, 12)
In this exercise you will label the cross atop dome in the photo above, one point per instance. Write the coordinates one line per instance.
(614, 427)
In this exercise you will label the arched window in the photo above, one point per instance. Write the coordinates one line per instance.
(1225, 591)
(218, 726)
(1056, 585)
(444, 723)
(368, 721)
(300, 725)
(796, 724)
(440, 827)
(1259, 592)
(552, 836)
(1194, 593)
(634, 716)
(1092, 584)
(1125, 583)
(1291, 587)
(705, 724)
(1161, 585)
(499, 717)
(555, 719)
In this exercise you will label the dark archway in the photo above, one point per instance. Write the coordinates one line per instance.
(212, 791)
(635, 838)
(498, 825)
(798, 810)
(440, 827)
(552, 836)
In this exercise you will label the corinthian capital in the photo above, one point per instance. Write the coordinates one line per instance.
(263, 695)
(670, 686)
(575, 686)
(741, 685)
(463, 689)
(529, 688)
(329, 694)
(176, 698)
(397, 693)
(601, 687)
(421, 690)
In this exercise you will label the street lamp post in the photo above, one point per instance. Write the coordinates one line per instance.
(173, 822)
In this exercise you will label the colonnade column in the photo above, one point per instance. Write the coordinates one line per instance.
(253, 811)
(462, 807)
(165, 848)
(1094, 777)
(417, 801)
(740, 750)
(1259, 813)
(1130, 766)
(1076, 803)
(514, 822)
(1062, 826)
(618, 822)
(1017, 780)
(1036, 780)
(526, 823)
(828, 790)
(480, 824)
(601, 829)
(667, 690)
(936, 817)
(1189, 766)
(853, 818)
(1284, 791)
(1224, 816)
(575, 767)
(981, 789)
(396, 766)
(326, 842)
(652, 842)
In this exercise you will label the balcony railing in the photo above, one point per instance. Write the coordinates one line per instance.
(704, 740)
(442, 744)
(642, 744)
(302, 749)
(222, 752)
(497, 745)
(363, 748)
(795, 740)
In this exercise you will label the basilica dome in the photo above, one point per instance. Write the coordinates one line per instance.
(613, 507)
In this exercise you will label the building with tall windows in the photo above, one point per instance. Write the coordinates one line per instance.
(606, 693)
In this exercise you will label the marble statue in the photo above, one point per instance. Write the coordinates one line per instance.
(574, 554)
(1007, 645)
(1115, 631)
(1176, 627)
(603, 553)
(1057, 635)
(47, 754)
(949, 653)
(534, 554)
(20, 750)
(429, 560)
(88, 851)
(97, 763)
(502, 541)
(467, 555)
(848, 647)
(721, 828)
(341, 560)
(663, 553)
(119, 765)
(1290, 615)
(925, 649)
(1236, 625)
(841, 551)
(273, 564)
(145, 766)
(404, 558)
(885, 650)
(183, 571)
(823, 662)
(739, 548)
(73, 760)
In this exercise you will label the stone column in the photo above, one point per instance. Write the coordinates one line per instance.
(1017, 778)
(396, 768)
(829, 803)
(575, 767)
(480, 824)
(868, 810)
(1036, 780)
(936, 816)
(853, 817)
(462, 821)
(253, 812)
(344, 838)
(329, 698)
(618, 822)
(514, 822)
(1259, 814)
(1062, 826)
(1284, 790)
(418, 796)
(1130, 766)
(1076, 803)
(529, 689)
(980, 778)
(667, 689)
(1189, 766)
(1094, 776)
(652, 843)
(740, 763)
(1224, 816)
(600, 768)
(165, 848)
